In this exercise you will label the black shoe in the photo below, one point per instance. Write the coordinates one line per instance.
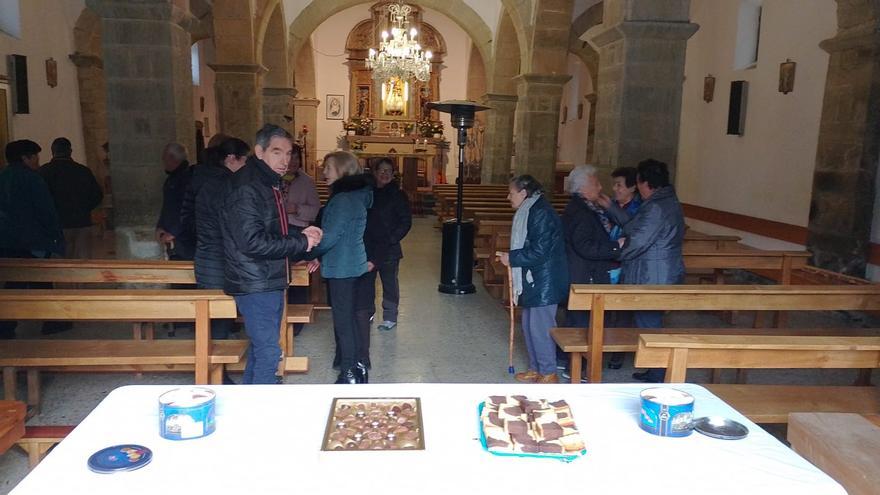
(227, 380)
(616, 361)
(53, 327)
(349, 377)
(279, 380)
(649, 376)
(361, 371)
(336, 361)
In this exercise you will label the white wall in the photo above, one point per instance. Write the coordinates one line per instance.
(331, 73)
(767, 172)
(206, 90)
(573, 132)
(47, 31)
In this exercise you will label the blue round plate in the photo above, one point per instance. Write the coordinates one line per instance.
(120, 458)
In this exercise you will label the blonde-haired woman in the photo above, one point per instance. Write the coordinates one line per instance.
(344, 259)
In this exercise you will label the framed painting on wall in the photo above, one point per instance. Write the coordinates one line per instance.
(335, 107)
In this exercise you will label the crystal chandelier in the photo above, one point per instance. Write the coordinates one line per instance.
(401, 56)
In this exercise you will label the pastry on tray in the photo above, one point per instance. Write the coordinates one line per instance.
(518, 425)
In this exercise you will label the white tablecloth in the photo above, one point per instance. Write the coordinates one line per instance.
(268, 441)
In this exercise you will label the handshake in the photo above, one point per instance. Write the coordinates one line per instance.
(313, 235)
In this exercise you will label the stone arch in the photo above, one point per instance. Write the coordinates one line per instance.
(457, 10)
(588, 55)
(271, 46)
(508, 56)
(92, 90)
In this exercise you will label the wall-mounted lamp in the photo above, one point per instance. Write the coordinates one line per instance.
(709, 88)
(786, 76)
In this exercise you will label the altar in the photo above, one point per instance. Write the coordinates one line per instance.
(416, 159)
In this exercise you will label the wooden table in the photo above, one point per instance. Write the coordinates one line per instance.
(275, 433)
(12, 414)
(845, 446)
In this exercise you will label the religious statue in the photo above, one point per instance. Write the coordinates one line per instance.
(394, 102)
(363, 101)
(424, 99)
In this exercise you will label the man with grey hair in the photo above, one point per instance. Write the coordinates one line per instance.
(257, 244)
(179, 174)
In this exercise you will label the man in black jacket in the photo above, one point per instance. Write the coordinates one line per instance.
(257, 245)
(173, 191)
(76, 194)
(29, 225)
(388, 222)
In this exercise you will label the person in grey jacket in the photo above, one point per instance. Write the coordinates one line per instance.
(651, 246)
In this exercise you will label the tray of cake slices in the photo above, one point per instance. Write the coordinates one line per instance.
(515, 425)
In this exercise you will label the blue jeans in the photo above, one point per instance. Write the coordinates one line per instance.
(262, 321)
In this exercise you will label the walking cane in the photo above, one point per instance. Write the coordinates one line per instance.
(512, 319)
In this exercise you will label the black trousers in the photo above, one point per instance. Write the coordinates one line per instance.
(388, 272)
(353, 304)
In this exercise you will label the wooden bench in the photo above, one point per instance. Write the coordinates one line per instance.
(108, 355)
(198, 306)
(12, 415)
(38, 440)
(600, 298)
(140, 272)
(769, 403)
(843, 445)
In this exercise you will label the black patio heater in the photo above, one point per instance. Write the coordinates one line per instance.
(457, 259)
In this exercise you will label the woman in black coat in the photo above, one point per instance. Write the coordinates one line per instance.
(388, 222)
(589, 248)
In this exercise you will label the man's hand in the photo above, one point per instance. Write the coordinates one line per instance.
(313, 236)
(604, 201)
(370, 266)
(313, 266)
(504, 258)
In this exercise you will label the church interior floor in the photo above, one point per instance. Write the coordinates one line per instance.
(439, 338)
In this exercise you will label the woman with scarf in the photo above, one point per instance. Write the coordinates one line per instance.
(540, 274)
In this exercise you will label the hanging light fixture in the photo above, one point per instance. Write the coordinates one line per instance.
(400, 55)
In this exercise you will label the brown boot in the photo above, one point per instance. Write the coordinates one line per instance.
(551, 378)
(530, 376)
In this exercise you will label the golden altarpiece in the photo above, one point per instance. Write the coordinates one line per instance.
(391, 118)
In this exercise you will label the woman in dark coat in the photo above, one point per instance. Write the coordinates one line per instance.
(388, 222)
(588, 246)
(344, 258)
(540, 274)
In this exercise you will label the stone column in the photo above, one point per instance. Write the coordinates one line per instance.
(537, 125)
(239, 99)
(278, 107)
(641, 49)
(147, 67)
(843, 201)
(305, 113)
(498, 140)
(93, 105)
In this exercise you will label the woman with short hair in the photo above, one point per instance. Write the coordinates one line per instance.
(540, 274)
(344, 258)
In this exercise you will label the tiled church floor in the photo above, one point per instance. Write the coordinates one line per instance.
(439, 338)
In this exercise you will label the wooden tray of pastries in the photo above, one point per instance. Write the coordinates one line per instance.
(515, 425)
(374, 424)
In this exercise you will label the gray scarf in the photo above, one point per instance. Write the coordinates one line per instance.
(518, 234)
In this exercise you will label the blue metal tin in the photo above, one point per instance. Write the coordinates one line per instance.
(186, 413)
(667, 412)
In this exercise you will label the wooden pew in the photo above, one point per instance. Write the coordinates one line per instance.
(12, 416)
(769, 403)
(137, 272)
(600, 298)
(843, 445)
(206, 357)
(37, 440)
